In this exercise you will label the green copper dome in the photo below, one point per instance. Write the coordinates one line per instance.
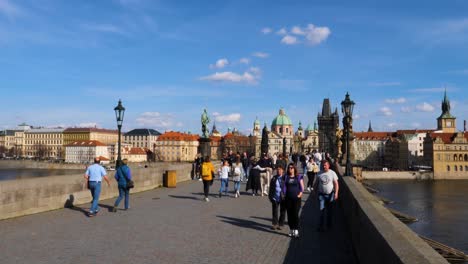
(281, 120)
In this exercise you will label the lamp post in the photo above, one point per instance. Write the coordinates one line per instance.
(119, 116)
(347, 109)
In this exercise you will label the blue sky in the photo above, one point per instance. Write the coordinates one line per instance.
(68, 62)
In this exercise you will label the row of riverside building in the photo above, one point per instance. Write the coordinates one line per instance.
(442, 149)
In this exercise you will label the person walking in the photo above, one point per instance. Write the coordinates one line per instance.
(276, 196)
(207, 172)
(293, 189)
(326, 184)
(224, 178)
(312, 170)
(94, 175)
(238, 173)
(253, 181)
(122, 176)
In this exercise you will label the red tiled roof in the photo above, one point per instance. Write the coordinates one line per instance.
(447, 138)
(103, 158)
(85, 143)
(137, 151)
(177, 136)
(414, 131)
(89, 129)
(373, 135)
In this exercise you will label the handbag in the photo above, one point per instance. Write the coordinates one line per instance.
(130, 183)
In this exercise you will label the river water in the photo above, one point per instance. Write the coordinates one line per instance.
(440, 206)
(10, 174)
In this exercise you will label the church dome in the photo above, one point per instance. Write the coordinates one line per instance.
(281, 120)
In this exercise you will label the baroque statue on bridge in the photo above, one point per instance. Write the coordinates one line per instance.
(205, 120)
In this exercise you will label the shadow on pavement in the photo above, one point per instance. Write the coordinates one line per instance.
(108, 207)
(331, 246)
(248, 224)
(184, 197)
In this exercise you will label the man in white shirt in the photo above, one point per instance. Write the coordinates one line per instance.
(94, 175)
(327, 188)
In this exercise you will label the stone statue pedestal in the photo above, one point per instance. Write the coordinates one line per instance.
(204, 147)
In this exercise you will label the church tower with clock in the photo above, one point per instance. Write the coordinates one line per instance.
(446, 121)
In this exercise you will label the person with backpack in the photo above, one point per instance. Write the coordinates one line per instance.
(237, 174)
(326, 186)
(123, 175)
(276, 196)
(207, 172)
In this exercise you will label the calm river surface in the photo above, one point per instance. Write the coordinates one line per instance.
(10, 174)
(440, 206)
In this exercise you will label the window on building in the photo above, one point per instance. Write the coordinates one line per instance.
(461, 168)
(460, 157)
(455, 158)
(455, 168)
(466, 157)
(448, 167)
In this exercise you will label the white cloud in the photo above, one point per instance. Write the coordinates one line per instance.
(266, 30)
(229, 118)
(391, 125)
(400, 100)
(8, 9)
(244, 61)
(406, 109)
(221, 63)
(282, 32)
(246, 77)
(297, 30)
(255, 70)
(90, 124)
(156, 119)
(316, 35)
(106, 28)
(262, 55)
(356, 117)
(385, 111)
(289, 40)
(425, 107)
(416, 125)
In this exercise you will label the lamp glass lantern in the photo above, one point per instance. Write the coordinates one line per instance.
(119, 116)
(347, 106)
(119, 113)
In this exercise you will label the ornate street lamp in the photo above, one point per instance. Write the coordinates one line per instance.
(347, 109)
(119, 116)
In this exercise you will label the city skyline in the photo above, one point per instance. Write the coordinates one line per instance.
(68, 65)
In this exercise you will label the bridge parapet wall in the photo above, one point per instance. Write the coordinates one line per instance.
(378, 236)
(33, 195)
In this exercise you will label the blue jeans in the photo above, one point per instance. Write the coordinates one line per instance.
(123, 191)
(95, 188)
(326, 202)
(224, 185)
(236, 186)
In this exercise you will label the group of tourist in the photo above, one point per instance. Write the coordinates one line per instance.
(284, 189)
(96, 173)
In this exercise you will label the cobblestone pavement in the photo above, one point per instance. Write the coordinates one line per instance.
(172, 226)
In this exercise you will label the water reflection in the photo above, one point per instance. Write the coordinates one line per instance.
(440, 206)
(10, 174)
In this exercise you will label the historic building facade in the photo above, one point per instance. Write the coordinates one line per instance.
(369, 148)
(177, 146)
(445, 150)
(44, 143)
(84, 151)
(142, 138)
(106, 136)
(328, 125)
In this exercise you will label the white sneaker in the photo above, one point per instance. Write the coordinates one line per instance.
(238, 194)
(200, 179)
(308, 189)
(296, 233)
(291, 233)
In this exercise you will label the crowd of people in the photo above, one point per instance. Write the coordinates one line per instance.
(278, 178)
